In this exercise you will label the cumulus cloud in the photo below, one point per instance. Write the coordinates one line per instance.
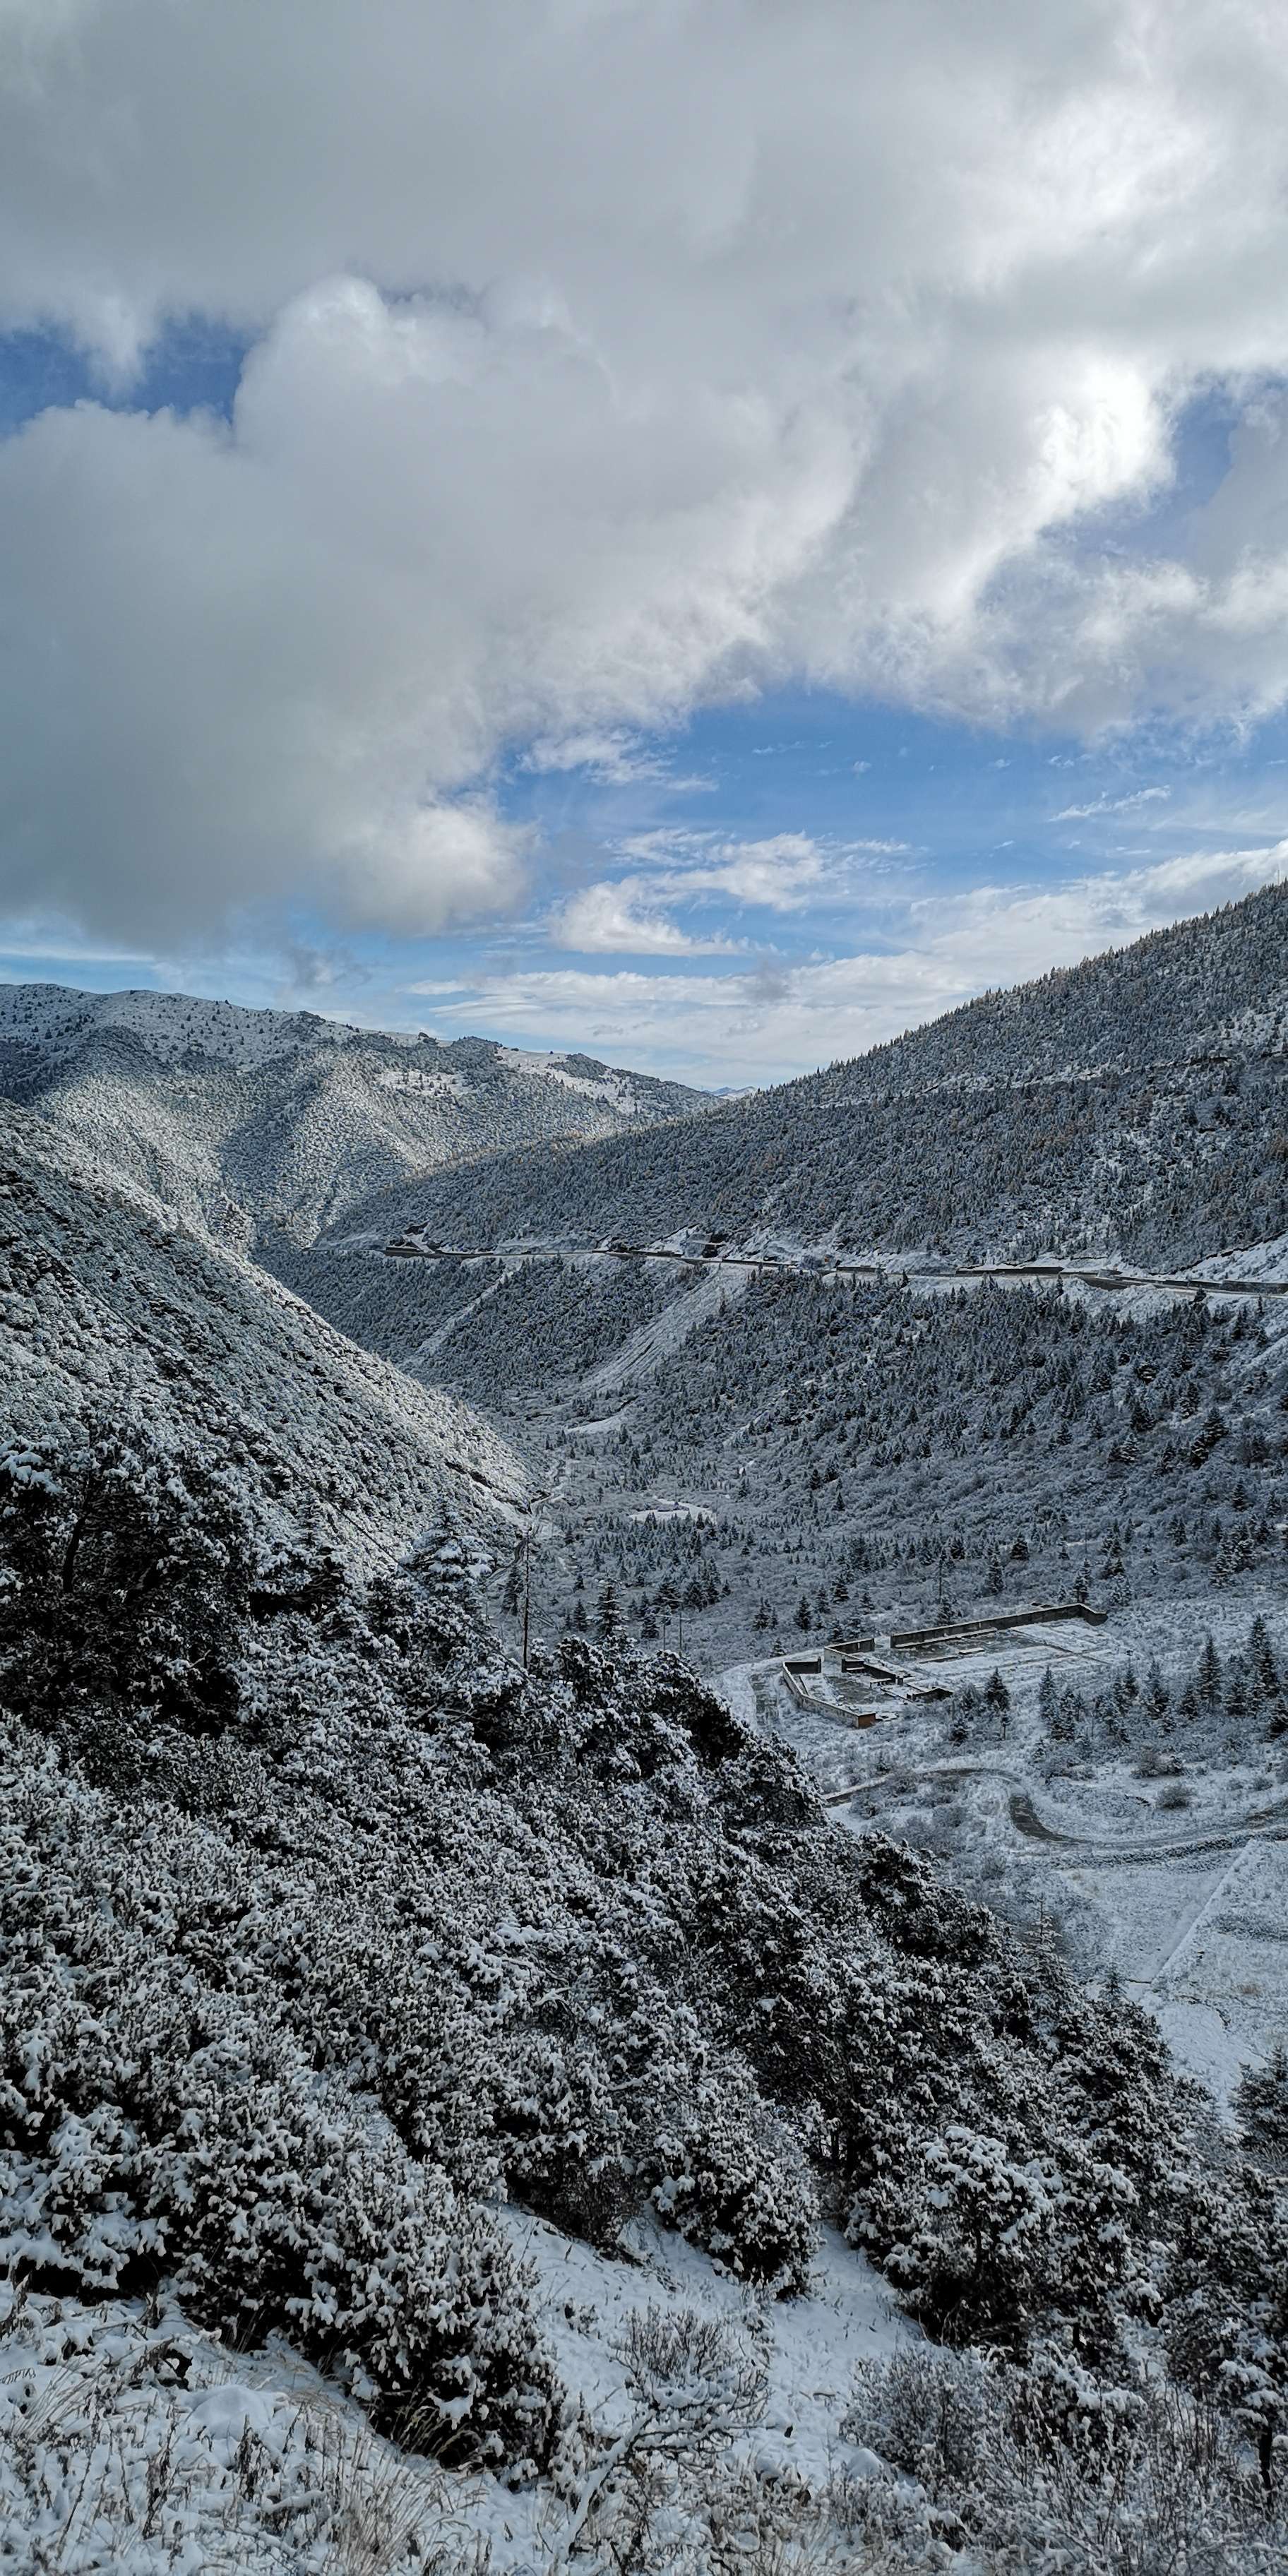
(634, 914)
(606, 359)
(624, 919)
(783, 873)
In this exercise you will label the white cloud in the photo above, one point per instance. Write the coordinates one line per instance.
(783, 873)
(632, 915)
(711, 345)
(618, 759)
(623, 919)
(1113, 804)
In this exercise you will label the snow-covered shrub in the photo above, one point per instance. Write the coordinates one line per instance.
(733, 2179)
(926, 2413)
(154, 2124)
(280, 2205)
(970, 2258)
(1045, 2468)
(124, 1572)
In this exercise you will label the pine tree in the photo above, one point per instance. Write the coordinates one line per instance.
(1158, 1699)
(1260, 2105)
(446, 1563)
(1236, 1690)
(1261, 1659)
(126, 1571)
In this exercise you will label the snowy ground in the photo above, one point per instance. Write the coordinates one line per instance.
(1187, 1903)
(130, 2441)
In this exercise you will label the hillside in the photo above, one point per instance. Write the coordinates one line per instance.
(344, 1961)
(1134, 1104)
(328, 1959)
(242, 1118)
(111, 1305)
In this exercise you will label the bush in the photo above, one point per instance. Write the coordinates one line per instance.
(1046, 2468)
(124, 1573)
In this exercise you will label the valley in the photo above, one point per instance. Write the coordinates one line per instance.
(685, 1767)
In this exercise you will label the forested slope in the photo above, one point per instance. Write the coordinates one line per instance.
(405, 1929)
(1137, 1103)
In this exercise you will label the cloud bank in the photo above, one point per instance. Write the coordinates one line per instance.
(606, 358)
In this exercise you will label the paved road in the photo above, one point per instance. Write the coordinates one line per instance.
(1109, 1275)
(1269, 1823)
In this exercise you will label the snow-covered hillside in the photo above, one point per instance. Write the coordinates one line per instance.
(1134, 1104)
(111, 1305)
(242, 1118)
(468, 2113)
(384, 2024)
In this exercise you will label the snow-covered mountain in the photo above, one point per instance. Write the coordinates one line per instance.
(112, 1306)
(347, 1961)
(241, 1118)
(1137, 1103)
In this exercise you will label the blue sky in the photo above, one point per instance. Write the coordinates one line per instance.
(687, 545)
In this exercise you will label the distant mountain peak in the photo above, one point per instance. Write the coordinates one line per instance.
(285, 1117)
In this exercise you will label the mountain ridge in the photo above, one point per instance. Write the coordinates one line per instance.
(110, 1304)
(1136, 1103)
(240, 1118)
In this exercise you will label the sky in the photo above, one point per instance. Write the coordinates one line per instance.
(704, 531)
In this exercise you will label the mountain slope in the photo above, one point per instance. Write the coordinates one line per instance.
(109, 1304)
(1136, 1103)
(412, 1933)
(241, 1118)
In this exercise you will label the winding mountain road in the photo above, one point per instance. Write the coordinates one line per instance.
(826, 1267)
(1101, 1850)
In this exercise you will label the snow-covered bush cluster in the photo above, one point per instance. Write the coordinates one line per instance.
(1045, 2467)
(300, 1976)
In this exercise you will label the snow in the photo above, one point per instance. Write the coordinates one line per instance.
(284, 1120)
(1189, 1908)
(680, 1446)
(108, 1298)
(252, 2462)
(809, 2345)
